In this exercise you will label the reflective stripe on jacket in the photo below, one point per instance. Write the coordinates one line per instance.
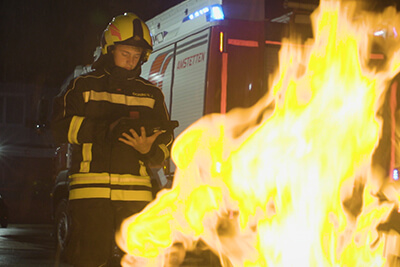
(123, 187)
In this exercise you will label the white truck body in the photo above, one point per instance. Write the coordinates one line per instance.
(192, 63)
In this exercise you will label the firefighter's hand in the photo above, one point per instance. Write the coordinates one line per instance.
(141, 143)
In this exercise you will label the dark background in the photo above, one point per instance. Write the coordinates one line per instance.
(43, 40)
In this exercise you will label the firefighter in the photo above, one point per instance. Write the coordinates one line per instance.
(109, 175)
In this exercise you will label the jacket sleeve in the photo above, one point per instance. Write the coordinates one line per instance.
(69, 124)
(161, 148)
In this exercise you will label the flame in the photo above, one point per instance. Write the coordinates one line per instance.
(288, 181)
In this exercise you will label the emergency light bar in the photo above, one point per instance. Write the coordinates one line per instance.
(212, 13)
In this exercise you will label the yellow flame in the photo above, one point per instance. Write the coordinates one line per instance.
(275, 194)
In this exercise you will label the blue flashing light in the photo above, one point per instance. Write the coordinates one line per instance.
(396, 174)
(212, 13)
(217, 13)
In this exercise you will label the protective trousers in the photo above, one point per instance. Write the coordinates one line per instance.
(93, 226)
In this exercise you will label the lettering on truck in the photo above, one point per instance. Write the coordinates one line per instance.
(161, 62)
(192, 60)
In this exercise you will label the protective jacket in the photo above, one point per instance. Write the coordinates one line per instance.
(102, 166)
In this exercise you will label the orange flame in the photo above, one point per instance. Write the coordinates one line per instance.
(271, 185)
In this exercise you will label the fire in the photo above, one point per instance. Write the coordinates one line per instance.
(288, 181)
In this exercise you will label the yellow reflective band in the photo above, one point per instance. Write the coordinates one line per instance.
(120, 99)
(74, 127)
(89, 178)
(86, 96)
(85, 166)
(165, 150)
(127, 179)
(82, 193)
(87, 157)
(131, 195)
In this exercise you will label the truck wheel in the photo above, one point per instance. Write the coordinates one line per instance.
(62, 227)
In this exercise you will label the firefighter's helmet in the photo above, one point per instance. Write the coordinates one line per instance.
(127, 29)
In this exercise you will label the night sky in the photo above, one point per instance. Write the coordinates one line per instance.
(42, 41)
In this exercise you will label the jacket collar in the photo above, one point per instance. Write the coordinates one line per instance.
(121, 74)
